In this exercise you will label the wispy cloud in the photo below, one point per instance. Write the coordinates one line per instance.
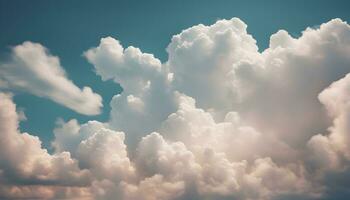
(33, 69)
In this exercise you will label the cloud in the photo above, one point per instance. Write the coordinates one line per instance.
(129, 67)
(104, 153)
(330, 150)
(221, 68)
(253, 100)
(217, 120)
(26, 168)
(33, 69)
(70, 134)
(201, 59)
(147, 96)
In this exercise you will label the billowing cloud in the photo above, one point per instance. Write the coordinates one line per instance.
(26, 168)
(220, 66)
(33, 69)
(329, 151)
(218, 120)
(147, 97)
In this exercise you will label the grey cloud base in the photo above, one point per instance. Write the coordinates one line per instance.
(218, 120)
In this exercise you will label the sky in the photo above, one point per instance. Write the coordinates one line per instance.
(174, 99)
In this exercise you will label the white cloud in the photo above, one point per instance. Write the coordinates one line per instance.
(33, 69)
(247, 101)
(218, 120)
(147, 97)
(26, 168)
(129, 67)
(328, 150)
(220, 67)
(202, 60)
(104, 153)
(69, 135)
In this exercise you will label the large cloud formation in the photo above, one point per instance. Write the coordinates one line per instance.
(33, 69)
(218, 120)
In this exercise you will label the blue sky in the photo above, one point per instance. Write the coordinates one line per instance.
(68, 28)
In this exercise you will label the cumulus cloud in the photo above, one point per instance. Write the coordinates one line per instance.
(147, 97)
(328, 151)
(271, 90)
(26, 168)
(217, 120)
(33, 69)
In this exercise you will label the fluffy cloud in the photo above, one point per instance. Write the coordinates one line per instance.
(104, 153)
(220, 66)
(246, 101)
(68, 135)
(147, 97)
(330, 150)
(33, 69)
(198, 129)
(202, 60)
(129, 67)
(26, 168)
(217, 120)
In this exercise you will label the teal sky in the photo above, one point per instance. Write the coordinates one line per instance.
(68, 28)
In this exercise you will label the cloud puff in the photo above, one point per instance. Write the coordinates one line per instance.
(247, 101)
(221, 68)
(330, 150)
(129, 67)
(147, 96)
(33, 69)
(26, 168)
(217, 120)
